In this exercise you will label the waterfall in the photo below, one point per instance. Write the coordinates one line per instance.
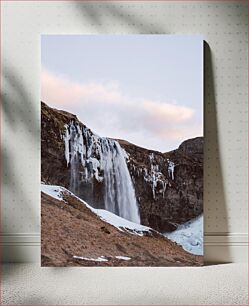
(71, 140)
(103, 160)
(119, 191)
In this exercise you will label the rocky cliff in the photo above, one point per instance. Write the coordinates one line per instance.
(168, 186)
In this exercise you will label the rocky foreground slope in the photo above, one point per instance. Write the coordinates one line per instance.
(168, 186)
(74, 234)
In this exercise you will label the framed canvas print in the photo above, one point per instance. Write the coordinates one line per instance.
(121, 150)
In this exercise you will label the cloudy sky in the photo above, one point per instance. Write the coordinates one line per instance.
(147, 89)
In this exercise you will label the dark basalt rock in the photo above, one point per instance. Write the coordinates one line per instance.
(183, 197)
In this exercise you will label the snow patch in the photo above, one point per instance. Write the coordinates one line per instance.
(123, 257)
(53, 191)
(99, 259)
(189, 235)
(114, 220)
(121, 223)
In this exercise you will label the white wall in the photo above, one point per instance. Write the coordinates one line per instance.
(223, 24)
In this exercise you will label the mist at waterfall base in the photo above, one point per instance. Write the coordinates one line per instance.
(100, 162)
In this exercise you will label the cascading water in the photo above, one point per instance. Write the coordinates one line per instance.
(72, 146)
(119, 191)
(104, 160)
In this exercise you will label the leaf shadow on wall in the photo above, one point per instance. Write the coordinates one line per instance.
(20, 120)
(214, 194)
(95, 14)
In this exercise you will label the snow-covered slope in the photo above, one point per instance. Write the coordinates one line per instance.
(122, 224)
(189, 235)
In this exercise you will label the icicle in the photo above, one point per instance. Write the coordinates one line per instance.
(80, 145)
(171, 167)
(151, 157)
(164, 188)
(86, 174)
(95, 165)
(154, 185)
(66, 141)
(125, 154)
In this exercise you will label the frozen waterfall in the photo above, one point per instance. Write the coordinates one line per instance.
(92, 157)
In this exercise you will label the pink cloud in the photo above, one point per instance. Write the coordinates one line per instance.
(106, 109)
(162, 112)
(63, 92)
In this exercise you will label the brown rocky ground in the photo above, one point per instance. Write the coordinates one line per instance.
(69, 228)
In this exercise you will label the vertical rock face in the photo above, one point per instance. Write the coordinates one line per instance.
(169, 186)
(161, 189)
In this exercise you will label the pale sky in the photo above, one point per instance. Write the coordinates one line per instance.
(147, 89)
